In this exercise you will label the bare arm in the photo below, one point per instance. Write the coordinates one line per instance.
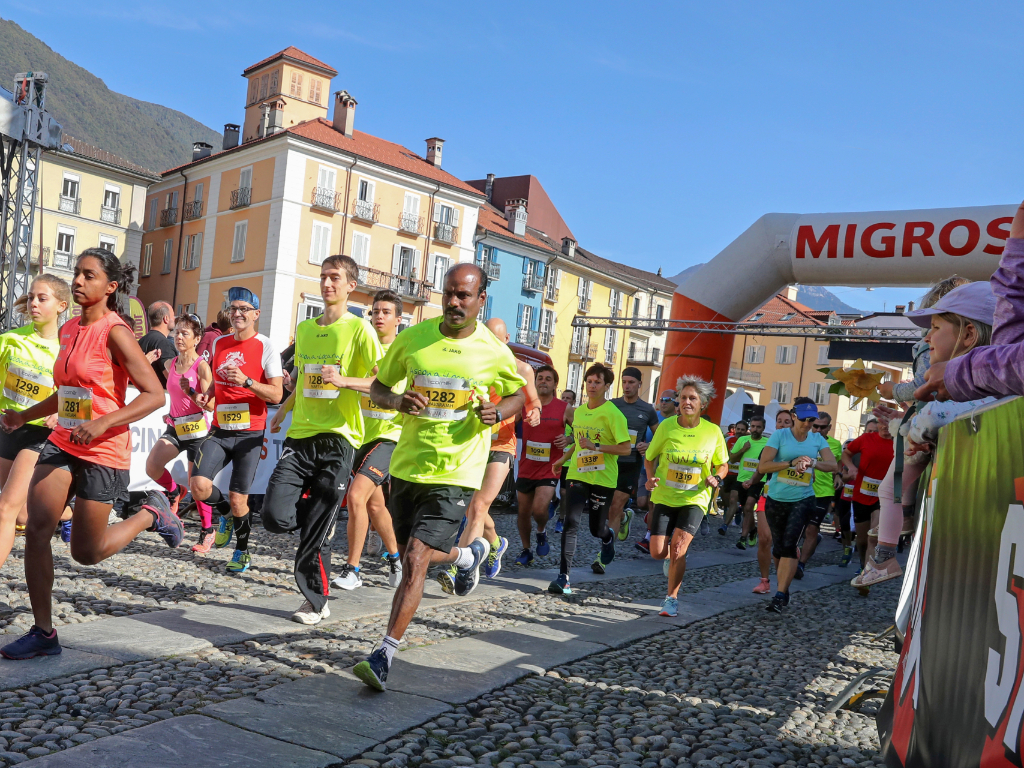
(827, 461)
(410, 401)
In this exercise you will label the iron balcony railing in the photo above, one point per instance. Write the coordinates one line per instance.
(747, 377)
(193, 210)
(110, 215)
(326, 199)
(365, 211)
(584, 304)
(70, 204)
(527, 337)
(62, 260)
(609, 357)
(241, 197)
(585, 351)
(533, 283)
(550, 293)
(491, 268)
(410, 224)
(547, 339)
(376, 280)
(446, 233)
(650, 356)
(168, 216)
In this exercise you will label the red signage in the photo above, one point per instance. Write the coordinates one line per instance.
(886, 240)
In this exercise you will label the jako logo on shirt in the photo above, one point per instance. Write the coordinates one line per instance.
(236, 359)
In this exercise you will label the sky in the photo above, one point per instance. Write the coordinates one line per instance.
(661, 131)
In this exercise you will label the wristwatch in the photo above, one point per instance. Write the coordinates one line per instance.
(497, 416)
(247, 383)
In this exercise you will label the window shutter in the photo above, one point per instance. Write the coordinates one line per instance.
(581, 289)
(590, 290)
(430, 276)
(152, 212)
(611, 298)
(558, 278)
(554, 320)
(526, 266)
(197, 250)
(244, 178)
(534, 320)
(437, 212)
(199, 193)
(174, 199)
(519, 316)
(455, 217)
(411, 205)
(416, 261)
(370, 188)
(396, 259)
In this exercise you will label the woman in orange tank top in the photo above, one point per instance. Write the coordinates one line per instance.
(89, 453)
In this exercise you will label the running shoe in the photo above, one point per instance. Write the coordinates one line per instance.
(723, 529)
(374, 670)
(705, 526)
(560, 586)
(165, 523)
(466, 579)
(35, 643)
(446, 578)
(799, 571)
(847, 556)
(65, 531)
(543, 548)
(308, 615)
(763, 587)
(493, 567)
(644, 546)
(742, 543)
(224, 531)
(173, 497)
(669, 606)
(558, 526)
(239, 562)
(374, 544)
(627, 519)
(875, 574)
(205, 542)
(752, 540)
(604, 557)
(778, 603)
(525, 557)
(394, 571)
(348, 578)
(597, 566)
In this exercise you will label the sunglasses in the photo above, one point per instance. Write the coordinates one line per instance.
(809, 418)
(825, 427)
(669, 400)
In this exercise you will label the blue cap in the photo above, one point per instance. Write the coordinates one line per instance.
(806, 411)
(237, 293)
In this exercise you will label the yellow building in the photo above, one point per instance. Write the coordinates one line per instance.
(87, 198)
(265, 213)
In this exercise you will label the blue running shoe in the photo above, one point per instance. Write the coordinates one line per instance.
(225, 531)
(35, 643)
(374, 670)
(799, 571)
(466, 579)
(558, 526)
(525, 557)
(165, 522)
(493, 566)
(722, 530)
(560, 586)
(705, 526)
(239, 562)
(65, 531)
(608, 551)
(669, 607)
(543, 548)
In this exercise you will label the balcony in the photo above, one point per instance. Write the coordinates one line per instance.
(410, 224)
(70, 204)
(527, 337)
(740, 376)
(326, 199)
(583, 351)
(550, 294)
(533, 283)
(168, 216)
(609, 356)
(40, 255)
(547, 339)
(192, 211)
(446, 233)
(240, 197)
(62, 260)
(650, 356)
(491, 268)
(365, 211)
(373, 280)
(110, 215)
(584, 305)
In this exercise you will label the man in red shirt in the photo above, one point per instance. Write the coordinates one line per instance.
(876, 452)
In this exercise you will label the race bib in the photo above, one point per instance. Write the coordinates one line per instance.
(869, 486)
(632, 438)
(750, 465)
(683, 477)
(795, 477)
(74, 406)
(537, 451)
(371, 410)
(589, 461)
(27, 387)
(448, 399)
(233, 416)
(734, 468)
(191, 427)
(848, 491)
(313, 384)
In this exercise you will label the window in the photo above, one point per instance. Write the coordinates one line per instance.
(147, 260)
(787, 316)
(172, 200)
(782, 391)
(108, 243)
(153, 204)
(186, 309)
(296, 89)
(65, 240)
(308, 310)
(275, 78)
(112, 197)
(823, 354)
(660, 313)
(785, 354)
(403, 260)
(636, 307)
(197, 195)
(319, 243)
(168, 252)
(244, 181)
(547, 328)
(254, 89)
(819, 393)
(326, 177)
(755, 317)
(238, 241)
(611, 339)
(754, 354)
(70, 186)
(441, 265)
(572, 380)
(361, 249)
(526, 313)
(484, 313)
(193, 252)
(314, 90)
(583, 292)
(615, 302)
(264, 84)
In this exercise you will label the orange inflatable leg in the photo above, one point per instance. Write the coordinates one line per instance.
(705, 354)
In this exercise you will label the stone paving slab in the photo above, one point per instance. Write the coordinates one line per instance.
(192, 740)
(220, 624)
(331, 713)
(20, 674)
(129, 639)
(594, 629)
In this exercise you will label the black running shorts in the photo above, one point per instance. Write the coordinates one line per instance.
(629, 477)
(750, 493)
(30, 437)
(430, 513)
(501, 457)
(665, 519)
(531, 484)
(373, 460)
(190, 447)
(732, 483)
(862, 512)
(822, 505)
(89, 481)
(239, 448)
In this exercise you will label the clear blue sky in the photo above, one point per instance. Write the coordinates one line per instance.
(660, 130)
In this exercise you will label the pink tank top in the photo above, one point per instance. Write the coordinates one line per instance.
(181, 404)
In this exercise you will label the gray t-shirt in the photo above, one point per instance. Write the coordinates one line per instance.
(639, 417)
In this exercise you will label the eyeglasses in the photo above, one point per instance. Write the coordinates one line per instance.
(823, 427)
(240, 310)
(190, 316)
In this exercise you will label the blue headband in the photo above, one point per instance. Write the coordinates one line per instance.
(806, 411)
(243, 294)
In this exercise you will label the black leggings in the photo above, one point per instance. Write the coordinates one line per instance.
(787, 520)
(597, 501)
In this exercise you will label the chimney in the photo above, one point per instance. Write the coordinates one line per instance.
(900, 309)
(489, 188)
(434, 153)
(791, 291)
(230, 136)
(568, 246)
(515, 212)
(344, 113)
(910, 307)
(264, 121)
(276, 118)
(201, 149)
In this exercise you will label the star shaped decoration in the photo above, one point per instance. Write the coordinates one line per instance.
(856, 382)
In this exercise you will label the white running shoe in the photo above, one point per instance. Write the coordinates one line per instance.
(875, 574)
(347, 579)
(374, 544)
(306, 614)
(394, 571)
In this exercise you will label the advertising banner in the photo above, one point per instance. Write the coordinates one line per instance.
(956, 698)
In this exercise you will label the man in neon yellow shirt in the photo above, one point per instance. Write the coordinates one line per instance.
(452, 363)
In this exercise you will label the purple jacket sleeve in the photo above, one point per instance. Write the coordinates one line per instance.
(997, 370)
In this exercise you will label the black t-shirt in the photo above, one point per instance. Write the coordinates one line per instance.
(157, 340)
(640, 416)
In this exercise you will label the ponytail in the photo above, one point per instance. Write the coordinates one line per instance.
(116, 272)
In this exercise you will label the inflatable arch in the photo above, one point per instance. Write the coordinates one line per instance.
(913, 248)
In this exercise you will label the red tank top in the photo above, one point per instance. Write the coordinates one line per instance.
(90, 384)
(539, 451)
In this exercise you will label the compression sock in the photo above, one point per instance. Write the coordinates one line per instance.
(205, 514)
(216, 499)
(883, 553)
(390, 645)
(608, 539)
(243, 526)
(167, 482)
(465, 558)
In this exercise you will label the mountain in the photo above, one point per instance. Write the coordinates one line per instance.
(149, 135)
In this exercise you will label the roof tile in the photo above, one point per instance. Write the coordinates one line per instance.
(291, 52)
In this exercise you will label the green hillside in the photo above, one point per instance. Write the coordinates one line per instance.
(147, 134)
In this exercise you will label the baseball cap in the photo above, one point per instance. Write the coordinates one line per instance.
(237, 293)
(975, 301)
(806, 411)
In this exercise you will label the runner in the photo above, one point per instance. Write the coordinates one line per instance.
(246, 376)
(824, 494)
(640, 417)
(601, 437)
(745, 453)
(668, 406)
(441, 455)
(187, 423)
(693, 463)
(542, 447)
(732, 486)
(791, 457)
(309, 481)
(499, 462)
(875, 450)
(89, 452)
(569, 397)
(844, 510)
(26, 366)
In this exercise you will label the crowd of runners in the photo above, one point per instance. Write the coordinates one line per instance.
(415, 434)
